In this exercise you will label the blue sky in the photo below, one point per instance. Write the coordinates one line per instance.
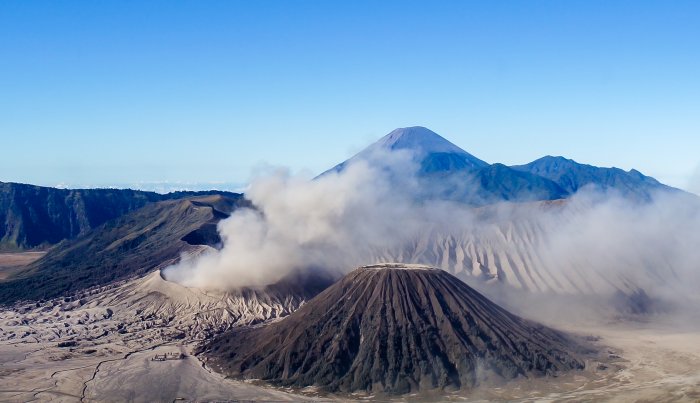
(102, 92)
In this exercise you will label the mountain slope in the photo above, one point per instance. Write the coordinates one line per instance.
(572, 176)
(38, 217)
(432, 151)
(394, 329)
(447, 172)
(435, 152)
(35, 216)
(130, 245)
(491, 184)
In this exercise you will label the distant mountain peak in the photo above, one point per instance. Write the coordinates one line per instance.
(554, 159)
(428, 146)
(432, 151)
(419, 139)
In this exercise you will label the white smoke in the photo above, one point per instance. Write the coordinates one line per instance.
(613, 243)
(368, 213)
(332, 223)
(694, 183)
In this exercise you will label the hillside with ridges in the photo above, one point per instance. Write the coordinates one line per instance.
(37, 217)
(131, 245)
(572, 176)
(394, 329)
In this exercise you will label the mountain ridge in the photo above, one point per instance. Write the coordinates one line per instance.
(130, 245)
(573, 176)
(38, 217)
(473, 181)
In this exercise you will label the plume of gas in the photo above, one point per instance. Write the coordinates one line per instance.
(594, 243)
(334, 222)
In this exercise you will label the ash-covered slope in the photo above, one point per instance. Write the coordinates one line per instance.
(149, 311)
(394, 328)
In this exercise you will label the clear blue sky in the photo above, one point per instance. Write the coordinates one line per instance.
(100, 92)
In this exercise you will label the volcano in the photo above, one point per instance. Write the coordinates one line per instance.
(432, 151)
(445, 171)
(394, 329)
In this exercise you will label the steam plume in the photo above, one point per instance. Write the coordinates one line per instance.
(592, 243)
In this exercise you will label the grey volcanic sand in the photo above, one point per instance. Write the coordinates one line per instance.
(659, 361)
(159, 381)
(112, 333)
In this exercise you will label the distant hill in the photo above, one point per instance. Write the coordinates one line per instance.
(130, 245)
(36, 217)
(572, 176)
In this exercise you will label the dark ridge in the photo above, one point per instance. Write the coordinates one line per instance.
(207, 234)
(488, 185)
(38, 217)
(572, 176)
(394, 330)
(128, 246)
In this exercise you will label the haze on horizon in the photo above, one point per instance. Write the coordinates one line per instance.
(115, 93)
